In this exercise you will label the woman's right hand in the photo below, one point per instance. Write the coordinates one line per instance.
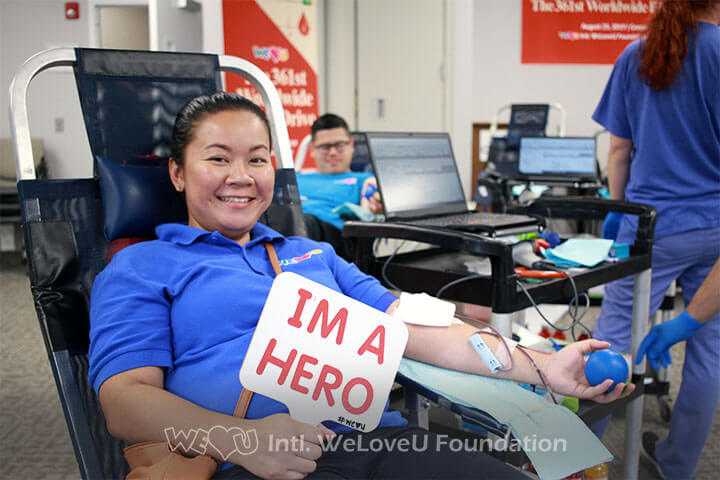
(286, 448)
(138, 409)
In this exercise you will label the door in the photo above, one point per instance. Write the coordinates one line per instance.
(176, 26)
(124, 27)
(165, 25)
(401, 52)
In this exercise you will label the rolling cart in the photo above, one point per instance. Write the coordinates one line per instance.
(443, 267)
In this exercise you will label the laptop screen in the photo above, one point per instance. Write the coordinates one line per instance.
(416, 174)
(557, 157)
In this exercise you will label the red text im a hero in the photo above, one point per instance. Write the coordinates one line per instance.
(330, 378)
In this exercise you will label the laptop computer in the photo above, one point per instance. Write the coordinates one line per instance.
(558, 159)
(419, 184)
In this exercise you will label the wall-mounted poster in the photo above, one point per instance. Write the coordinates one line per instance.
(582, 31)
(278, 36)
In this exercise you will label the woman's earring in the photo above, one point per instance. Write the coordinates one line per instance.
(179, 188)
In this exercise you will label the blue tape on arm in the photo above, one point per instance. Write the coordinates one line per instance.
(484, 351)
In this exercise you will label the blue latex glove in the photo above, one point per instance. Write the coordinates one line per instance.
(611, 225)
(552, 238)
(658, 342)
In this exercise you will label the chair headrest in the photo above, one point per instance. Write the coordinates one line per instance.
(137, 197)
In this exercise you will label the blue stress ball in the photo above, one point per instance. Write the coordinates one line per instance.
(604, 364)
(370, 191)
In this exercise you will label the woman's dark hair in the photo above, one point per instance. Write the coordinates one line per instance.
(667, 40)
(200, 107)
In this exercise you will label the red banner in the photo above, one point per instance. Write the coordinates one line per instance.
(278, 36)
(582, 31)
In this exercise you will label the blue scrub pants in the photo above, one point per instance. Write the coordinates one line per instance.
(687, 258)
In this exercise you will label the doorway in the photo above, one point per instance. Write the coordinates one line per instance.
(158, 25)
(401, 76)
(124, 27)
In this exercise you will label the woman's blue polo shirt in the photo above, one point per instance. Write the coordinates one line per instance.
(189, 302)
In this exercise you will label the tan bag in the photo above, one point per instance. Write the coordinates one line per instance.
(155, 460)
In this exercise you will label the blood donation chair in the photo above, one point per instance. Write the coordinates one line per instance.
(129, 101)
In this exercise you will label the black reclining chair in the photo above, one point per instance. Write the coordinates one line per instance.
(129, 102)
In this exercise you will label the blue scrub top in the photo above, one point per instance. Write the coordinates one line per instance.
(321, 192)
(189, 302)
(676, 134)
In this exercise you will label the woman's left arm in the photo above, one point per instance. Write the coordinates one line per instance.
(618, 165)
(449, 347)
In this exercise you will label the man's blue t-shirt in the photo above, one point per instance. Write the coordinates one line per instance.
(676, 134)
(321, 192)
(189, 302)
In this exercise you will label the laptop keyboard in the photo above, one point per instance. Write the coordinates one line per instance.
(467, 218)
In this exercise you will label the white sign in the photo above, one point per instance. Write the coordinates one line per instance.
(323, 354)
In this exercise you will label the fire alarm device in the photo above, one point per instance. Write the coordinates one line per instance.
(72, 10)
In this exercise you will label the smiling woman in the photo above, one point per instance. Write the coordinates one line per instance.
(224, 167)
(171, 322)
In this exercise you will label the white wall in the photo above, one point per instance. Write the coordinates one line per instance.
(485, 71)
(213, 38)
(27, 27)
(499, 78)
(339, 30)
(340, 67)
(462, 87)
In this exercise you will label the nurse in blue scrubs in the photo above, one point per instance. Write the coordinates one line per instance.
(662, 108)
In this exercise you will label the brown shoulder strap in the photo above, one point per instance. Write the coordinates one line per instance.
(246, 395)
(273, 258)
(243, 403)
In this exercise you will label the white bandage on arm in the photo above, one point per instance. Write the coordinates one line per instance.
(502, 354)
(505, 354)
(423, 309)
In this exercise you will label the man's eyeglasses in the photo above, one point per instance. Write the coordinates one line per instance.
(326, 147)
